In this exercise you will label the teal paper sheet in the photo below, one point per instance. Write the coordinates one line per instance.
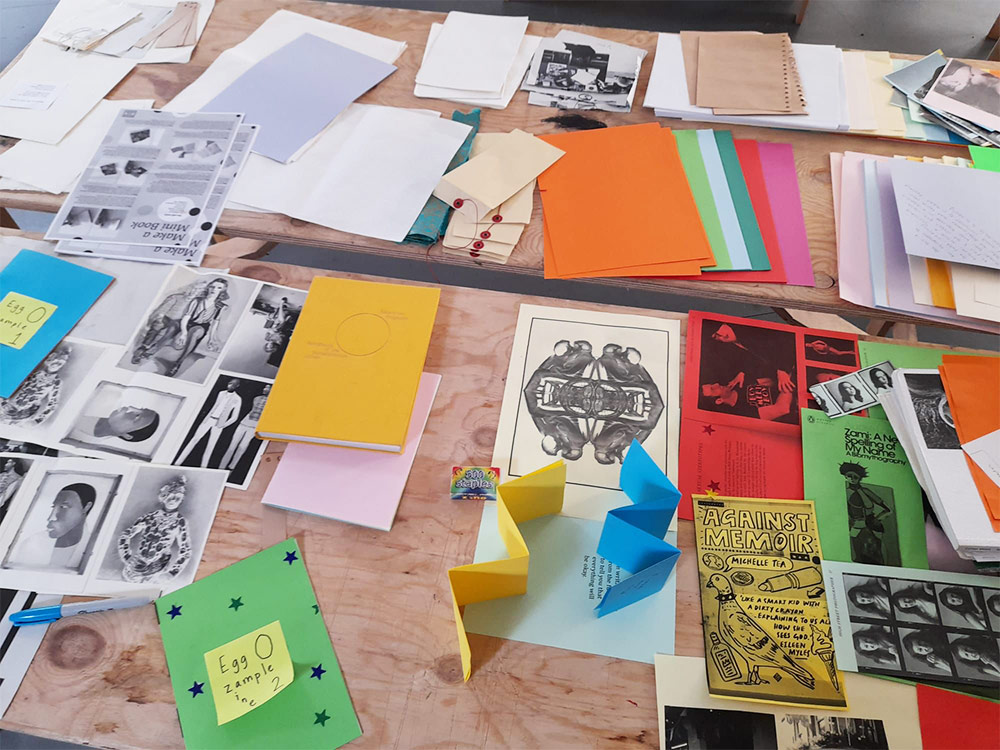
(739, 259)
(741, 201)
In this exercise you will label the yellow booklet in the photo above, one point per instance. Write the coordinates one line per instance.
(353, 365)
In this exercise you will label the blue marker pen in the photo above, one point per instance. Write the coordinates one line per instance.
(51, 614)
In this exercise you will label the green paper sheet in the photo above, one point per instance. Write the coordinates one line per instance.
(694, 168)
(985, 158)
(869, 507)
(314, 711)
(741, 200)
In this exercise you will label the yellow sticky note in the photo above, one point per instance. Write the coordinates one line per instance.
(21, 317)
(248, 671)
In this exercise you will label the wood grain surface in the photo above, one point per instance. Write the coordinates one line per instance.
(101, 679)
(233, 20)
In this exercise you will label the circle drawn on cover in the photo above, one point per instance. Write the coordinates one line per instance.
(363, 334)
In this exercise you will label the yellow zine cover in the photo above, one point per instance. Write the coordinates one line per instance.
(764, 612)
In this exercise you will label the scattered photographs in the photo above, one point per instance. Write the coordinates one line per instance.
(802, 732)
(852, 392)
(711, 729)
(924, 630)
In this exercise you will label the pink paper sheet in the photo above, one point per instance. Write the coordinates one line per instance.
(852, 251)
(348, 484)
(777, 161)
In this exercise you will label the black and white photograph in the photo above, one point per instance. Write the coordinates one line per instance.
(831, 349)
(197, 150)
(715, 729)
(163, 526)
(875, 647)
(12, 472)
(961, 606)
(20, 447)
(58, 532)
(41, 398)
(977, 90)
(975, 656)
(867, 596)
(188, 326)
(262, 334)
(850, 393)
(145, 136)
(878, 377)
(124, 420)
(930, 403)
(748, 371)
(914, 602)
(805, 732)
(993, 609)
(818, 397)
(94, 223)
(223, 434)
(576, 71)
(926, 651)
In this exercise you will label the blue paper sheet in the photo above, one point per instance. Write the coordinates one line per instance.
(72, 288)
(296, 91)
(632, 537)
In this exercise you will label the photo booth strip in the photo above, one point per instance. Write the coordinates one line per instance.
(534, 495)
(824, 392)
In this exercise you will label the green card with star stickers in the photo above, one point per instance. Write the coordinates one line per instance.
(312, 711)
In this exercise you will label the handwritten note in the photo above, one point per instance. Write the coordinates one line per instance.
(21, 317)
(248, 671)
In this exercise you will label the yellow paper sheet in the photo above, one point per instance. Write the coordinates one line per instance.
(941, 292)
(21, 317)
(890, 119)
(485, 181)
(534, 495)
(248, 671)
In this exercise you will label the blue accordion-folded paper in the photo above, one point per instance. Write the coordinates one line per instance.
(632, 537)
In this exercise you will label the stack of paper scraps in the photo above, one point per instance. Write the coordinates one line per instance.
(491, 194)
(642, 200)
(920, 236)
(475, 59)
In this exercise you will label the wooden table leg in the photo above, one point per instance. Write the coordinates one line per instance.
(801, 14)
(6, 220)
(879, 327)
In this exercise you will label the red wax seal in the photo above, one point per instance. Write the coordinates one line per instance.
(497, 218)
(457, 203)
(478, 245)
(485, 234)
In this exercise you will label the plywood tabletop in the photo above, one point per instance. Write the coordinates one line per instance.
(101, 679)
(233, 20)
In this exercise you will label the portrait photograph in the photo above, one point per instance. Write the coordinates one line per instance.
(13, 469)
(867, 597)
(63, 521)
(975, 656)
(875, 647)
(748, 371)
(188, 326)
(878, 378)
(850, 393)
(914, 602)
(124, 420)
(831, 349)
(926, 652)
(161, 532)
(818, 397)
(937, 427)
(223, 433)
(262, 335)
(961, 606)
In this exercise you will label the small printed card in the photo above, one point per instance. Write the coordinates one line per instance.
(21, 317)
(474, 482)
(248, 671)
(32, 95)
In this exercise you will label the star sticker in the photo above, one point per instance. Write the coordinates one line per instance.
(290, 557)
(714, 486)
(237, 603)
(708, 429)
(174, 611)
(711, 493)
(316, 609)
(322, 718)
(318, 672)
(196, 689)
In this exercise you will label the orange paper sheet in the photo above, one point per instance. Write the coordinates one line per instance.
(973, 388)
(618, 204)
(941, 292)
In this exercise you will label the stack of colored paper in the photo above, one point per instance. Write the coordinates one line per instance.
(475, 59)
(673, 204)
(491, 194)
(920, 236)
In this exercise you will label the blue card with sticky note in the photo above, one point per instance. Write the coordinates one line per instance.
(632, 537)
(41, 299)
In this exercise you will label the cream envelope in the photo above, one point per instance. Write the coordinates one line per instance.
(501, 259)
(488, 179)
(490, 247)
(977, 291)
(507, 233)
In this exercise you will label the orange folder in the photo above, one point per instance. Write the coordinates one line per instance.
(618, 204)
(973, 388)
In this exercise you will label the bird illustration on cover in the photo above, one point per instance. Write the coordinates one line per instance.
(749, 641)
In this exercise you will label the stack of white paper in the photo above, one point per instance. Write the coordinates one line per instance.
(475, 59)
(821, 69)
(918, 409)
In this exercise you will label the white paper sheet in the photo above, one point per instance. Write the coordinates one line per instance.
(55, 168)
(87, 78)
(370, 173)
(502, 98)
(985, 451)
(976, 291)
(474, 52)
(859, 100)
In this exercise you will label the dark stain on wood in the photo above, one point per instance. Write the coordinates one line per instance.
(449, 669)
(575, 122)
(75, 647)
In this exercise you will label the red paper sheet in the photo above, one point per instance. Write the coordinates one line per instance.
(744, 384)
(952, 721)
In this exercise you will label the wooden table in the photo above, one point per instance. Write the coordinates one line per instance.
(101, 679)
(233, 20)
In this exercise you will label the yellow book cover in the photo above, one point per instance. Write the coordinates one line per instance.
(353, 365)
